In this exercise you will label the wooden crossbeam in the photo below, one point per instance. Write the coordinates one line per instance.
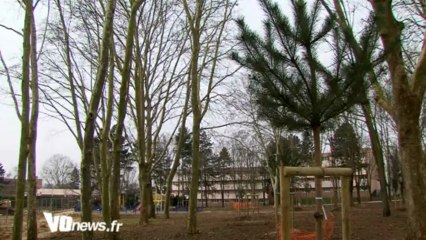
(317, 171)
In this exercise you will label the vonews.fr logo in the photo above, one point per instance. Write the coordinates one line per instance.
(62, 223)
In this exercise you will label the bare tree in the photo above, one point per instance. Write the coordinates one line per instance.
(25, 122)
(32, 188)
(198, 16)
(88, 142)
(57, 171)
(362, 54)
(407, 96)
(122, 108)
(408, 88)
(159, 80)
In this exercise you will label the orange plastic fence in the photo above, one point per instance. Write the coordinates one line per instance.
(328, 228)
(242, 205)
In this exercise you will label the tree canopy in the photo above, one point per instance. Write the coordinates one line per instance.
(290, 80)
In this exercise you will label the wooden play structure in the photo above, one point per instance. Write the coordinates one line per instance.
(286, 232)
(159, 201)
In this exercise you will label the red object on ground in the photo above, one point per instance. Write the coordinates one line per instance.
(328, 227)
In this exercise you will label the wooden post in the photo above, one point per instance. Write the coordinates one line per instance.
(346, 205)
(285, 206)
(291, 211)
(287, 172)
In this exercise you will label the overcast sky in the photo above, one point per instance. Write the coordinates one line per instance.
(53, 137)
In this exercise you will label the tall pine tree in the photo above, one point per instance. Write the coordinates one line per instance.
(291, 85)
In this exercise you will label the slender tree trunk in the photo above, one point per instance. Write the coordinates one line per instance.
(276, 186)
(104, 146)
(335, 196)
(276, 182)
(195, 173)
(378, 157)
(23, 147)
(143, 165)
(318, 184)
(196, 155)
(176, 161)
(151, 199)
(90, 122)
(169, 183)
(143, 188)
(374, 137)
(195, 28)
(358, 193)
(222, 192)
(32, 179)
(122, 110)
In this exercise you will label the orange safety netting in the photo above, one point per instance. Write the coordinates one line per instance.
(328, 227)
(242, 205)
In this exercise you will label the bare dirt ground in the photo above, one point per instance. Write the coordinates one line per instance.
(367, 223)
(216, 223)
(6, 226)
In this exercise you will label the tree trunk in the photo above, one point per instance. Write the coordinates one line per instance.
(143, 188)
(408, 93)
(151, 199)
(276, 186)
(378, 157)
(318, 184)
(122, 110)
(176, 161)
(195, 173)
(104, 146)
(351, 188)
(195, 28)
(32, 179)
(222, 193)
(90, 122)
(358, 194)
(23, 147)
(335, 195)
(206, 187)
(374, 137)
(413, 168)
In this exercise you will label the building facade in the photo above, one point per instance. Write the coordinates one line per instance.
(234, 184)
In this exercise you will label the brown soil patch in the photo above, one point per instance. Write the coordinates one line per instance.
(367, 224)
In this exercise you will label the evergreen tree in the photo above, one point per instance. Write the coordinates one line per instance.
(161, 168)
(221, 170)
(2, 172)
(184, 176)
(186, 150)
(308, 147)
(289, 83)
(290, 153)
(208, 164)
(74, 179)
(346, 151)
